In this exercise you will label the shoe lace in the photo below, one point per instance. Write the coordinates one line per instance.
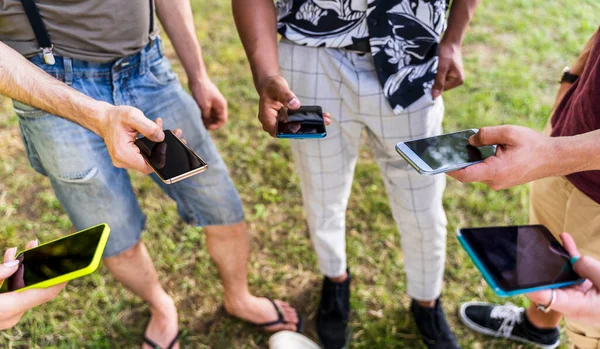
(510, 315)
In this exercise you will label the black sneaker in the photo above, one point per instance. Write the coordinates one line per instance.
(334, 314)
(508, 321)
(434, 328)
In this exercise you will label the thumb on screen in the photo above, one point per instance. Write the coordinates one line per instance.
(146, 127)
(492, 135)
(10, 264)
(286, 97)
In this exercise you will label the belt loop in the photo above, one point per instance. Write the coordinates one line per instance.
(68, 68)
(143, 59)
(161, 46)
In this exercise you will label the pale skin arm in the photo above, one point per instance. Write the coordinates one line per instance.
(450, 67)
(256, 22)
(178, 21)
(525, 155)
(117, 125)
(14, 304)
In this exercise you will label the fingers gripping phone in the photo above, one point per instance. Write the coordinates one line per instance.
(172, 160)
(444, 153)
(519, 259)
(304, 122)
(58, 261)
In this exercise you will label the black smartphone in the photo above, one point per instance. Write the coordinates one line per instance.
(58, 261)
(171, 159)
(519, 259)
(304, 122)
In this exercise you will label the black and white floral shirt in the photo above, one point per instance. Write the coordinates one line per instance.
(403, 34)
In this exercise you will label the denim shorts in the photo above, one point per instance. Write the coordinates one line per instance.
(76, 160)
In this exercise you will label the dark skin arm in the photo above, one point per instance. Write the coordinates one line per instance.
(257, 26)
(450, 67)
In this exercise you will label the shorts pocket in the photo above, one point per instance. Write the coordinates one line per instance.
(161, 73)
(79, 177)
(27, 111)
(32, 155)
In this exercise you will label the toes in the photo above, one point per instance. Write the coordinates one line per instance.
(281, 327)
(289, 313)
(291, 316)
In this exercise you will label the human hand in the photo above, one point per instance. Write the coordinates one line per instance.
(522, 155)
(157, 155)
(450, 69)
(14, 304)
(275, 94)
(120, 128)
(211, 102)
(581, 302)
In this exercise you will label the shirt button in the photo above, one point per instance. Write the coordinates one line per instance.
(374, 21)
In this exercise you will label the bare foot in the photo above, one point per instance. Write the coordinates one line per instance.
(260, 310)
(163, 325)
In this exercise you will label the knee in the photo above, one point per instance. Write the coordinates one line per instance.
(226, 232)
(131, 252)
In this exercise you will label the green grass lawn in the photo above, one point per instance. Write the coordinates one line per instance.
(513, 55)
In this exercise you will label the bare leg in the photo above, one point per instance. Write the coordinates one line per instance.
(427, 304)
(543, 320)
(134, 269)
(229, 247)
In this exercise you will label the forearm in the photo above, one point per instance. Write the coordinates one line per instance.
(576, 153)
(257, 27)
(177, 19)
(579, 64)
(22, 81)
(461, 13)
(576, 69)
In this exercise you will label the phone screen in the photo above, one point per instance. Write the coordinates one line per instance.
(449, 150)
(521, 257)
(54, 259)
(169, 158)
(303, 121)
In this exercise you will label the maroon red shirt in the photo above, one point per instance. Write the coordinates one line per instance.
(579, 112)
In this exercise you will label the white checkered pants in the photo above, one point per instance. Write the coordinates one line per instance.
(345, 84)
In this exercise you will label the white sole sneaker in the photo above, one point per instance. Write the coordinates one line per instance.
(483, 330)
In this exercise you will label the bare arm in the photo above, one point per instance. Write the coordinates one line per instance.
(118, 126)
(178, 21)
(575, 154)
(461, 13)
(576, 68)
(450, 67)
(257, 26)
(24, 82)
(256, 23)
(524, 155)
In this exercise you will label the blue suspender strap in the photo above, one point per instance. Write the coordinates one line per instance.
(39, 29)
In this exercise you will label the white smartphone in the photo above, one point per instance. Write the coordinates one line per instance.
(443, 153)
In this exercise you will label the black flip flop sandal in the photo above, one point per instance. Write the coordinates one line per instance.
(281, 320)
(156, 346)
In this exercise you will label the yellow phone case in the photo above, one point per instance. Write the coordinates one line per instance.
(77, 273)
